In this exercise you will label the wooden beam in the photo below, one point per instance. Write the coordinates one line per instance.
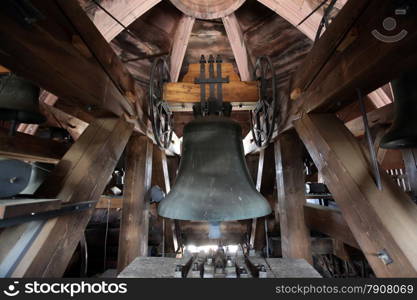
(80, 176)
(380, 116)
(4, 70)
(11, 208)
(126, 12)
(381, 221)
(180, 42)
(291, 199)
(30, 148)
(329, 221)
(237, 42)
(110, 202)
(134, 225)
(331, 75)
(294, 12)
(234, 91)
(71, 63)
(207, 10)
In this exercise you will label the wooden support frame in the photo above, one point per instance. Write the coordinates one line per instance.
(134, 225)
(237, 42)
(180, 42)
(30, 148)
(348, 57)
(75, 65)
(329, 221)
(289, 170)
(382, 222)
(80, 176)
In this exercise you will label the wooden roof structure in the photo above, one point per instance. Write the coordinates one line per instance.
(93, 58)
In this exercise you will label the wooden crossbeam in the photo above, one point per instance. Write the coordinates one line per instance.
(381, 116)
(237, 42)
(329, 221)
(235, 91)
(30, 148)
(134, 224)
(124, 11)
(11, 208)
(180, 42)
(348, 57)
(291, 199)
(66, 55)
(384, 223)
(80, 176)
(110, 202)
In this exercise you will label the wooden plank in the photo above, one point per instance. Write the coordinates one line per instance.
(290, 196)
(380, 116)
(194, 71)
(180, 42)
(235, 91)
(30, 148)
(379, 220)
(53, 54)
(110, 202)
(134, 224)
(106, 56)
(237, 42)
(294, 12)
(101, 144)
(126, 12)
(366, 63)
(10, 208)
(4, 70)
(329, 221)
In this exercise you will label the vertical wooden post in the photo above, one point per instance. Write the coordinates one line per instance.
(295, 235)
(384, 223)
(134, 226)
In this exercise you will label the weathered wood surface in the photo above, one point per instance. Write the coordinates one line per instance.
(289, 170)
(180, 42)
(10, 208)
(365, 63)
(235, 91)
(126, 12)
(329, 221)
(237, 42)
(380, 116)
(379, 220)
(30, 148)
(134, 225)
(110, 202)
(60, 58)
(80, 176)
(212, 9)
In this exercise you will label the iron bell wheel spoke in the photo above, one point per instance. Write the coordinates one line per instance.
(159, 112)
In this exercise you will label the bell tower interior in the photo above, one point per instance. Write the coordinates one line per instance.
(208, 138)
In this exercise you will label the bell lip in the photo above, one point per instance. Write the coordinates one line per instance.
(214, 220)
(400, 143)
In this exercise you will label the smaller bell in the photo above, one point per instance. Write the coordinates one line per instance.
(403, 132)
(19, 100)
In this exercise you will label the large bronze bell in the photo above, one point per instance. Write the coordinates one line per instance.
(19, 100)
(213, 182)
(403, 132)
